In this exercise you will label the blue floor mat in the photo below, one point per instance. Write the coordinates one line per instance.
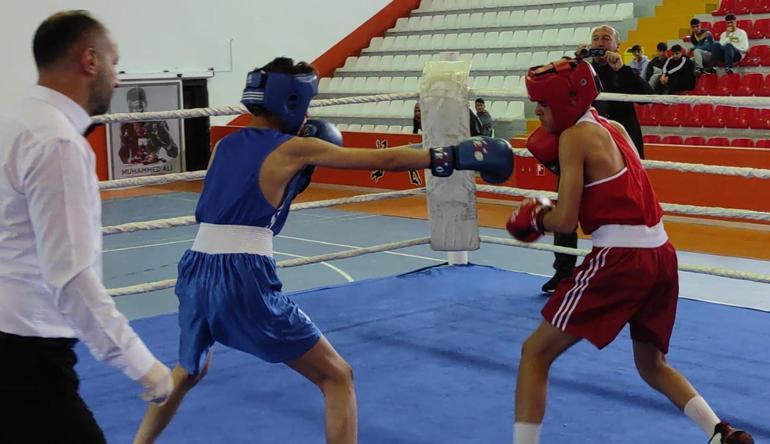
(435, 354)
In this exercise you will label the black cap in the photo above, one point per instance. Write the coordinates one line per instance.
(729, 17)
(662, 46)
(676, 48)
(694, 22)
(634, 48)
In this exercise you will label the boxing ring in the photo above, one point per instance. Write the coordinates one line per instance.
(434, 346)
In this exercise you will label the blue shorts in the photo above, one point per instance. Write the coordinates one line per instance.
(236, 300)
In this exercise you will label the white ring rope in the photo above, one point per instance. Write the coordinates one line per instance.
(753, 102)
(714, 271)
(507, 191)
(747, 102)
(151, 180)
(231, 110)
(190, 220)
(168, 283)
(751, 173)
(671, 208)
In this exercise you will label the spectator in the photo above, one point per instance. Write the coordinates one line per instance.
(702, 42)
(655, 67)
(616, 77)
(678, 73)
(484, 118)
(732, 45)
(640, 61)
(416, 119)
(474, 125)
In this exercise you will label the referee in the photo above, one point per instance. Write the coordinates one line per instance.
(51, 293)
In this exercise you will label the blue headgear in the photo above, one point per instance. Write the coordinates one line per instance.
(286, 96)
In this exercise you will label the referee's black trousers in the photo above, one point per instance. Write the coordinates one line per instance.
(39, 393)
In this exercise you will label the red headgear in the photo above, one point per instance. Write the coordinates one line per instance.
(568, 87)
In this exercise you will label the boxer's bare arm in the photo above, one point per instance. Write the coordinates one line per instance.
(564, 217)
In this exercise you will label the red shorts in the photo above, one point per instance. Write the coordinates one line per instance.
(614, 286)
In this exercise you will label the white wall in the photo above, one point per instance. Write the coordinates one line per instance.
(189, 36)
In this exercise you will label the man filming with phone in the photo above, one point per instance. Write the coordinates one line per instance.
(616, 77)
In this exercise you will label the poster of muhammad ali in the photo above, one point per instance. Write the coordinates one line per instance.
(150, 147)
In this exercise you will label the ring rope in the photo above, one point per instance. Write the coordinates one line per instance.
(671, 208)
(168, 283)
(747, 102)
(151, 180)
(508, 191)
(230, 110)
(751, 173)
(714, 271)
(190, 220)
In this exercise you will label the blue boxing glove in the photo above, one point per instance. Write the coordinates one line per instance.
(492, 157)
(322, 130)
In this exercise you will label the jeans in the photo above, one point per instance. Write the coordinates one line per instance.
(699, 57)
(728, 54)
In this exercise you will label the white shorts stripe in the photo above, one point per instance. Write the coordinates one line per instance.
(572, 297)
(564, 303)
(601, 260)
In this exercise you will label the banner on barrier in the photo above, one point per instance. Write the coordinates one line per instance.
(146, 148)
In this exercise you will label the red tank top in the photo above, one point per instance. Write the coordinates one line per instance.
(626, 198)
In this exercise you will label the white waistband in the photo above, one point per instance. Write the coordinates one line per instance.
(630, 236)
(223, 239)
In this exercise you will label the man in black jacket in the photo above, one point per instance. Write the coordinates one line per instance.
(616, 77)
(678, 73)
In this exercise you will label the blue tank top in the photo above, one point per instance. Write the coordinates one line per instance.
(231, 193)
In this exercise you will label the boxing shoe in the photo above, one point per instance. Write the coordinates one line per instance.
(724, 434)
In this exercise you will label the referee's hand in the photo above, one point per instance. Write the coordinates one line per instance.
(157, 384)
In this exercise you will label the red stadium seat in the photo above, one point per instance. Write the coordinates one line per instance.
(672, 140)
(695, 140)
(726, 85)
(740, 118)
(705, 85)
(760, 120)
(674, 115)
(762, 27)
(718, 29)
(743, 7)
(764, 89)
(643, 115)
(718, 118)
(757, 56)
(742, 142)
(764, 143)
(748, 26)
(651, 138)
(725, 7)
(749, 84)
(718, 141)
(762, 6)
(699, 114)
(657, 111)
(706, 26)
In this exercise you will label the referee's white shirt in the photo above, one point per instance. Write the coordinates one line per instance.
(50, 234)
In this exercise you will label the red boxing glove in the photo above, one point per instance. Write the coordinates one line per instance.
(526, 225)
(544, 145)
